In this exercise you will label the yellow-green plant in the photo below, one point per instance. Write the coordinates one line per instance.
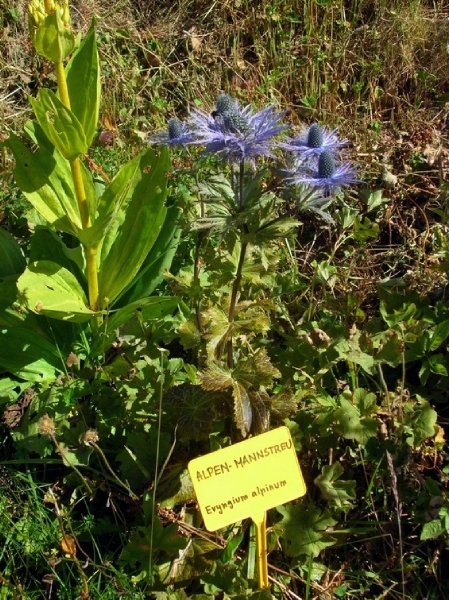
(120, 237)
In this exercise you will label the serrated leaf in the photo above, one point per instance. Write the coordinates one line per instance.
(437, 364)
(256, 370)
(216, 378)
(146, 309)
(304, 529)
(341, 493)
(243, 414)
(189, 334)
(219, 330)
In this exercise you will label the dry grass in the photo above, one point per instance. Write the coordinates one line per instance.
(376, 69)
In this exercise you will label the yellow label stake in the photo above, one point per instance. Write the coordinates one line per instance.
(247, 478)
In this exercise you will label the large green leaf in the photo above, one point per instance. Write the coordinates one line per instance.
(158, 260)
(12, 261)
(47, 288)
(439, 334)
(305, 529)
(45, 179)
(29, 356)
(60, 124)
(341, 493)
(140, 190)
(351, 425)
(47, 245)
(419, 421)
(83, 82)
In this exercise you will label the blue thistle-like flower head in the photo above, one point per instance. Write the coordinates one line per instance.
(315, 137)
(237, 133)
(326, 174)
(178, 133)
(224, 103)
(313, 140)
(326, 164)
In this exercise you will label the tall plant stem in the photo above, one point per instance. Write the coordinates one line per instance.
(196, 264)
(234, 295)
(239, 272)
(241, 186)
(83, 207)
(196, 279)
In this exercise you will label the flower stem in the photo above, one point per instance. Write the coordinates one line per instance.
(83, 207)
(234, 294)
(239, 272)
(241, 185)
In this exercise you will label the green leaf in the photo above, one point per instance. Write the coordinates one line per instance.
(341, 493)
(158, 261)
(432, 530)
(140, 190)
(146, 309)
(49, 289)
(138, 458)
(243, 414)
(197, 559)
(363, 230)
(53, 40)
(11, 390)
(420, 422)
(45, 179)
(29, 356)
(402, 314)
(83, 82)
(225, 578)
(374, 198)
(365, 401)
(12, 260)
(351, 425)
(439, 334)
(437, 364)
(216, 378)
(256, 370)
(146, 539)
(59, 124)
(304, 529)
(47, 245)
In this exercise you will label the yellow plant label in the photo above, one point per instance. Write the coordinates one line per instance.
(247, 478)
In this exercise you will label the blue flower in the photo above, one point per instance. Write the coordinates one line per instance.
(237, 133)
(178, 133)
(313, 140)
(326, 174)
